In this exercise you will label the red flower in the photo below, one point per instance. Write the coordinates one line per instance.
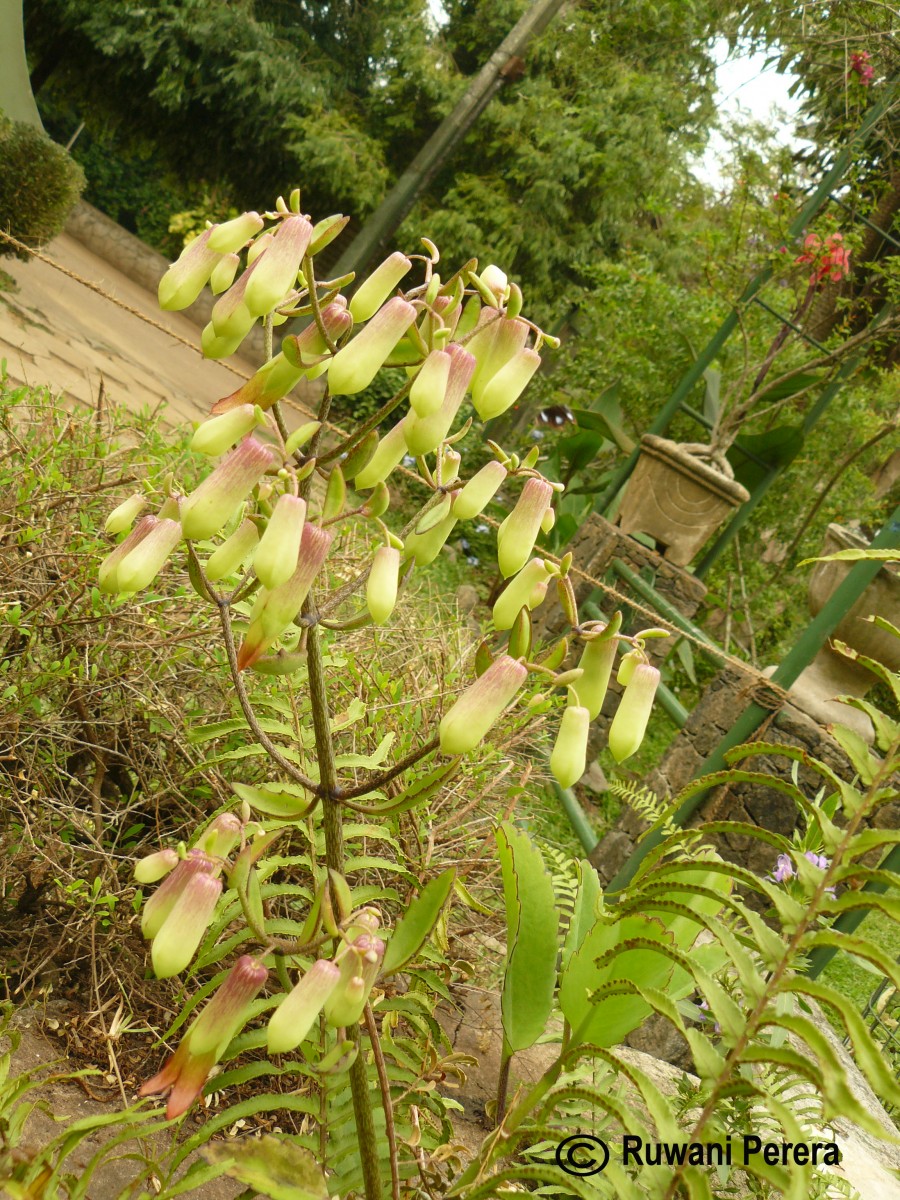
(861, 67)
(831, 258)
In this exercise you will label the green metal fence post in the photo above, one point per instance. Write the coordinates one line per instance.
(800, 656)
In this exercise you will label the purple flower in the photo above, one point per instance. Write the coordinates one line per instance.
(817, 860)
(784, 869)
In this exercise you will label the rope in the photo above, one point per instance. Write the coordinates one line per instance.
(766, 693)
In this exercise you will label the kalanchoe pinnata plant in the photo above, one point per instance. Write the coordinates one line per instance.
(265, 522)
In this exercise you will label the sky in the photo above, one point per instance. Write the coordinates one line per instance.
(745, 83)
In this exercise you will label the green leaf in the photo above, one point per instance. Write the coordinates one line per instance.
(272, 1166)
(413, 928)
(375, 759)
(625, 948)
(865, 765)
(861, 555)
(275, 803)
(532, 927)
(584, 912)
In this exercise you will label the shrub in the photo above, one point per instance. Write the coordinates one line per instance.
(39, 185)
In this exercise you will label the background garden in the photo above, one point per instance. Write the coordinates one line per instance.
(541, 955)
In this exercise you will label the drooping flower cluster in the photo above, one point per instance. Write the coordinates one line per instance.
(861, 67)
(829, 256)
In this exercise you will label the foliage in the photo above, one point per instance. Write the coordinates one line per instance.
(39, 185)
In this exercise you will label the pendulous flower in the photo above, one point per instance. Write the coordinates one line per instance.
(372, 292)
(424, 434)
(185, 1073)
(275, 558)
(480, 490)
(297, 1013)
(176, 942)
(213, 503)
(525, 590)
(358, 966)
(275, 271)
(569, 755)
(356, 364)
(381, 586)
(630, 722)
(480, 705)
(519, 530)
(187, 277)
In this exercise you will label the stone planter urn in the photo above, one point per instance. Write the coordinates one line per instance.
(677, 498)
(830, 674)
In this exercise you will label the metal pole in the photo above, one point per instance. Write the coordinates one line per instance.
(694, 373)
(672, 614)
(800, 656)
(579, 822)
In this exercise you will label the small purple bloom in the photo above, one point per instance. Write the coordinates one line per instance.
(817, 860)
(784, 869)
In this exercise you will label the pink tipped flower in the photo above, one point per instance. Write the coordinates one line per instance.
(275, 560)
(233, 235)
(479, 491)
(214, 502)
(107, 574)
(569, 756)
(630, 722)
(596, 662)
(297, 1013)
(308, 348)
(356, 364)
(186, 278)
(182, 930)
(223, 273)
(372, 292)
(481, 705)
(185, 1073)
(271, 383)
(388, 453)
(526, 590)
(502, 341)
(275, 271)
(231, 319)
(216, 435)
(381, 586)
(430, 385)
(140, 566)
(518, 532)
(424, 434)
(358, 967)
(831, 258)
(163, 900)
(274, 610)
(507, 384)
(153, 867)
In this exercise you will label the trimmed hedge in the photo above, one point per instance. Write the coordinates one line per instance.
(40, 183)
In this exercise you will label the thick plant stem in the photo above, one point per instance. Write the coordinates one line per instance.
(365, 1127)
(318, 694)
(334, 858)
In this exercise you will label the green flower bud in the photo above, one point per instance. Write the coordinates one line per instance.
(518, 532)
(301, 435)
(218, 434)
(596, 661)
(214, 502)
(216, 347)
(506, 385)
(626, 666)
(275, 271)
(356, 364)
(153, 867)
(526, 590)
(222, 835)
(357, 970)
(430, 385)
(496, 282)
(548, 520)
(499, 341)
(377, 504)
(275, 559)
(424, 434)
(424, 548)
(295, 1016)
(630, 722)
(275, 610)
(325, 231)
(233, 552)
(479, 491)
(360, 456)
(233, 235)
(451, 461)
(125, 514)
(480, 706)
(183, 929)
(569, 755)
(372, 292)
(186, 278)
(381, 586)
(388, 453)
(141, 565)
(223, 273)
